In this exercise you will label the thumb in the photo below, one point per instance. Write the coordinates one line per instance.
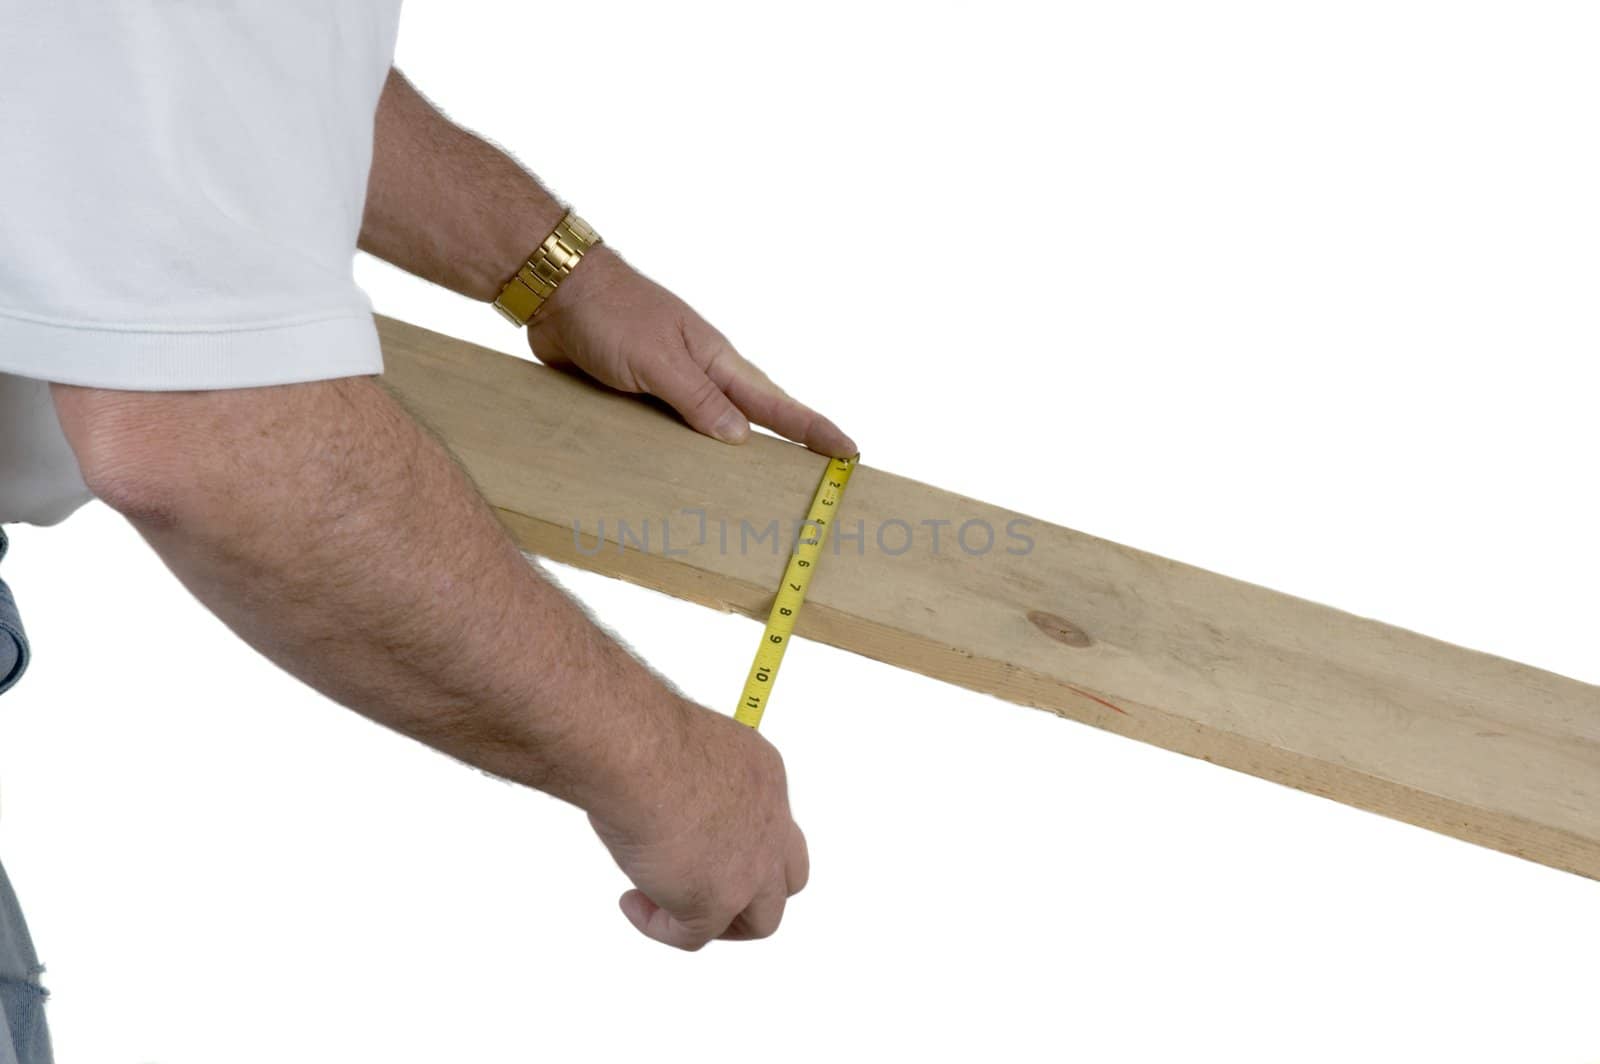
(677, 380)
(655, 922)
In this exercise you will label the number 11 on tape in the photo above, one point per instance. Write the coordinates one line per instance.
(792, 592)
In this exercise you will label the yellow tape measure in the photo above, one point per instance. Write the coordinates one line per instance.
(792, 592)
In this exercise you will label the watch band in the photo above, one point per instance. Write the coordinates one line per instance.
(545, 269)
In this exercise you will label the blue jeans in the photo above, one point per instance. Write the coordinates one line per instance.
(23, 1036)
(13, 643)
(24, 1039)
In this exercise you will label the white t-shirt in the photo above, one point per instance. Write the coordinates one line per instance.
(181, 188)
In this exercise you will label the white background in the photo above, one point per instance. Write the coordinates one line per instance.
(1305, 294)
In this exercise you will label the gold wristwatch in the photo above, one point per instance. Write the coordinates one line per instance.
(545, 269)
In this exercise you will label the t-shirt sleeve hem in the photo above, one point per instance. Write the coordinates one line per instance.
(156, 361)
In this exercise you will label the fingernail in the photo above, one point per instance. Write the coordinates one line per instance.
(731, 427)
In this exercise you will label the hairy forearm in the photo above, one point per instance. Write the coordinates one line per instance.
(326, 528)
(445, 204)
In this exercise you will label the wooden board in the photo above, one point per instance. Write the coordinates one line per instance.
(1380, 718)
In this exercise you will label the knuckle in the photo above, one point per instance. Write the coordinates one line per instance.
(719, 356)
(730, 904)
(696, 902)
(706, 396)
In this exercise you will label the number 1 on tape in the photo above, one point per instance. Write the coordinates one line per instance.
(792, 592)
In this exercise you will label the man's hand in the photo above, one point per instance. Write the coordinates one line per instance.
(447, 205)
(717, 854)
(629, 333)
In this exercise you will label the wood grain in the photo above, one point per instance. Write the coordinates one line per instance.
(1464, 743)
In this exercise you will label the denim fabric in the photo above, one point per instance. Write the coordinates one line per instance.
(13, 643)
(24, 1039)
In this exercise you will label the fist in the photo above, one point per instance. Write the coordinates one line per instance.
(718, 854)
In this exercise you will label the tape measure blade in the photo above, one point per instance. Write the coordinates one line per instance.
(792, 591)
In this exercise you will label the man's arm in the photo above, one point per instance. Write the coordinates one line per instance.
(450, 207)
(332, 534)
